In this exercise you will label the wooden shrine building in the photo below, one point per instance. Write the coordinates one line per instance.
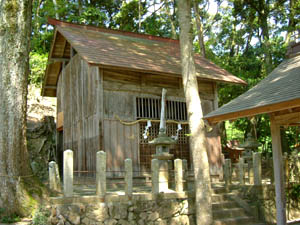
(279, 96)
(106, 80)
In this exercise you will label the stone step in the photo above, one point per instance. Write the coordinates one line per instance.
(235, 221)
(221, 197)
(229, 213)
(218, 190)
(224, 205)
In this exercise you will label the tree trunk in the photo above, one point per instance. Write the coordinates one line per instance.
(199, 29)
(172, 23)
(15, 21)
(292, 23)
(56, 9)
(195, 115)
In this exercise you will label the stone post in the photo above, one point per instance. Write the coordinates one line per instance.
(68, 173)
(257, 168)
(154, 168)
(178, 175)
(185, 174)
(221, 174)
(128, 177)
(170, 173)
(227, 173)
(101, 174)
(54, 180)
(241, 171)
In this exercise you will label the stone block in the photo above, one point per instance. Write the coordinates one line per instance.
(74, 218)
(110, 222)
(118, 211)
(180, 220)
(153, 216)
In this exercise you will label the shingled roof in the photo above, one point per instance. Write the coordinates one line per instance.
(125, 50)
(280, 90)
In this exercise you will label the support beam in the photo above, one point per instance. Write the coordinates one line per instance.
(50, 87)
(59, 60)
(278, 173)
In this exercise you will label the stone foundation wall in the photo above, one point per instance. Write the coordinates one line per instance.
(263, 197)
(139, 212)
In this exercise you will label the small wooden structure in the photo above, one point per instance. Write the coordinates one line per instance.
(107, 80)
(279, 96)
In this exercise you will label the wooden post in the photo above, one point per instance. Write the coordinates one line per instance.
(241, 171)
(178, 175)
(154, 168)
(128, 177)
(257, 168)
(278, 173)
(101, 174)
(68, 173)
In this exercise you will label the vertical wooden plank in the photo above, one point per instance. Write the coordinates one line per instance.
(152, 108)
(216, 99)
(142, 106)
(106, 136)
(278, 173)
(121, 147)
(135, 146)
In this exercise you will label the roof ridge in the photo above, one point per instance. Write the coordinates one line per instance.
(56, 22)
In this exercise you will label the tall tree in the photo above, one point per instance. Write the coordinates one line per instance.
(195, 115)
(15, 20)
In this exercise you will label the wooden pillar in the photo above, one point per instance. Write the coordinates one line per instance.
(278, 173)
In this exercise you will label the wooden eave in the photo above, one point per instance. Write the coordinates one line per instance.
(286, 113)
(59, 54)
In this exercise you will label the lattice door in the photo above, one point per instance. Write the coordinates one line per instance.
(180, 149)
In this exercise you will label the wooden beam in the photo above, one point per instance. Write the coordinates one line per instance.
(59, 60)
(278, 173)
(50, 87)
(255, 111)
(288, 118)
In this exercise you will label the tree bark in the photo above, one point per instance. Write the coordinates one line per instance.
(170, 17)
(15, 21)
(197, 140)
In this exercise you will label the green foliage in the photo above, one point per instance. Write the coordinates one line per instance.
(12, 218)
(294, 192)
(37, 63)
(40, 217)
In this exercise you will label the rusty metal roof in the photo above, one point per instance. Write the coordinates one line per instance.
(280, 90)
(126, 50)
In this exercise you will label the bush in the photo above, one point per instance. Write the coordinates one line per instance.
(40, 217)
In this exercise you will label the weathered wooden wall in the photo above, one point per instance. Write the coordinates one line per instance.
(90, 99)
(78, 93)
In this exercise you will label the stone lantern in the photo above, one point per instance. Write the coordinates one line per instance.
(251, 144)
(162, 145)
